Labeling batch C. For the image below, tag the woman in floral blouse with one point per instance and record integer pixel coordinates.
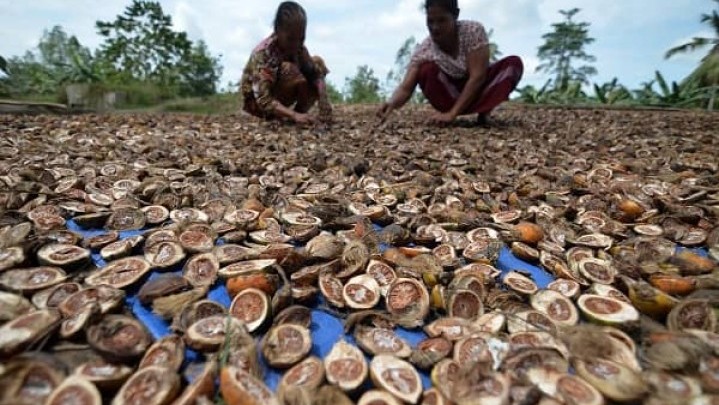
(452, 68)
(281, 80)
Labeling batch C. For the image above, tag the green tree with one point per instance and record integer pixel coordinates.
(563, 48)
(707, 73)
(494, 52)
(141, 44)
(363, 87)
(401, 62)
(333, 94)
(200, 71)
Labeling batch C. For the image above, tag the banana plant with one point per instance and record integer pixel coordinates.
(612, 93)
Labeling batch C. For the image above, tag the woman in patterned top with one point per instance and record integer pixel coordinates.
(452, 68)
(281, 80)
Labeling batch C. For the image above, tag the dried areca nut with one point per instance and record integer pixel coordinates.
(477, 349)
(383, 273)
(325, 246)
(189, 215)
(567, 388)
(242, 218)
(120, 273)
(378, 397)
(527, 321)
(361, 292)
(309, 374)
(231, 253)
(429, 352)
(527, 232)
(492, 322)
(672, 387)
(195, 311)
(121, 248)
(332, 289)
(222, 227)
(483, 251)
(463, 303)
(155, 214)
(597, 270)
(525, 252)
(47, 222)
(536, 340)
(26, 329)
(164, 255)
(506, 217)
(559, 268)
(16, 234)
(493, 389)
(158, 236)
(119, 337)
(556, 306)
(149, 386)
(604, 290)
(484, 272)
(673, 284)
(309, 275)
(354, 259)
(11, 257)
(260, 280)
(376, 341)
(446, 255)
(300, 218)
(30, 379)
(433, 396)
(451, 328)
(14, 305)
(240, 388)
(207, 334)
(568, 288)
(99, 241)
(62, 255)
(106, 376)
(408, 300)
(693, 314)
(77, 322)
(595, 240)
(613, 380)
(161, 286)
(286, 345)
(576, 254)
(305, 295)
(296, 315)
(107, 297)
(201, 270)
(92, 220)
(251, 306)
(607, 311)
(266, 237)
(32, 279)
(75, 390)
(692, 264)
(168, 352)
(444, 375)
(520, 283)
(202, 386)
(709, 374)
(518, 363)
(126, 219)
(345, 366)
(196, 241)
(649, 230)
(246, 267)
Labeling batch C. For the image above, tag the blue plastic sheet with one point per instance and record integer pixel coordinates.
(326, 329)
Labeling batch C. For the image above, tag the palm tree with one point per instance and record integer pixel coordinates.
(707, 74)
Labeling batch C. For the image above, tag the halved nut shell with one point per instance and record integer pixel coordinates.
(168, 352)
(121, 248)
(23, 331)
(597, 270)
(126, 219)
(520, 283)
(332, 289)
(11, 257)
(208, 333)
(120, 273)
(408, 300)
(107, 297)
(567, 388)
(164, 255)
(63, 255)
(119, 337)
(196, 241)
(692, 314)
(361, 292)
(607, 311)
(75, 390)
(378, 397)
(568, 288)
(79, 321)
(203, 385)
(105, 375)
(286, 345)
(464, 303)
(240, 388)
(246, 267)
(613, 380)
(231, 253)
(251, 306)
(376, 341)
(556, 306)
(155, 214)
(14, 305)
(309, 373)
(149, 386)
(201, 270)
(163, 285)
(32, 279)
(345, 366)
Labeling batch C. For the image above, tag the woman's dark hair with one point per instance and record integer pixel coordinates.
(289, 12)
(448, 5)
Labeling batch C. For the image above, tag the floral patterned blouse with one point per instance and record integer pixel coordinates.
(263, 71)
(472, 36)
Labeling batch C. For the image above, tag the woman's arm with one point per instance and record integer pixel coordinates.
(402, 94)
(477, 63)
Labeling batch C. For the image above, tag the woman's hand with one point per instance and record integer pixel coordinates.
(384, 111)
(303, 119)
(442, 119)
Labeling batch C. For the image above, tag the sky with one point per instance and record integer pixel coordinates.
(631, 36)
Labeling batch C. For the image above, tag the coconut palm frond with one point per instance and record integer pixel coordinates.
(696, 43)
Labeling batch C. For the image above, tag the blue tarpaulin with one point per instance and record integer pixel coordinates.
(326, 329)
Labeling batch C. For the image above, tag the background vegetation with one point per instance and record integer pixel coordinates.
(145, 59)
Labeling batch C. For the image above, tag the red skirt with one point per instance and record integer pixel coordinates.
(443, 91)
